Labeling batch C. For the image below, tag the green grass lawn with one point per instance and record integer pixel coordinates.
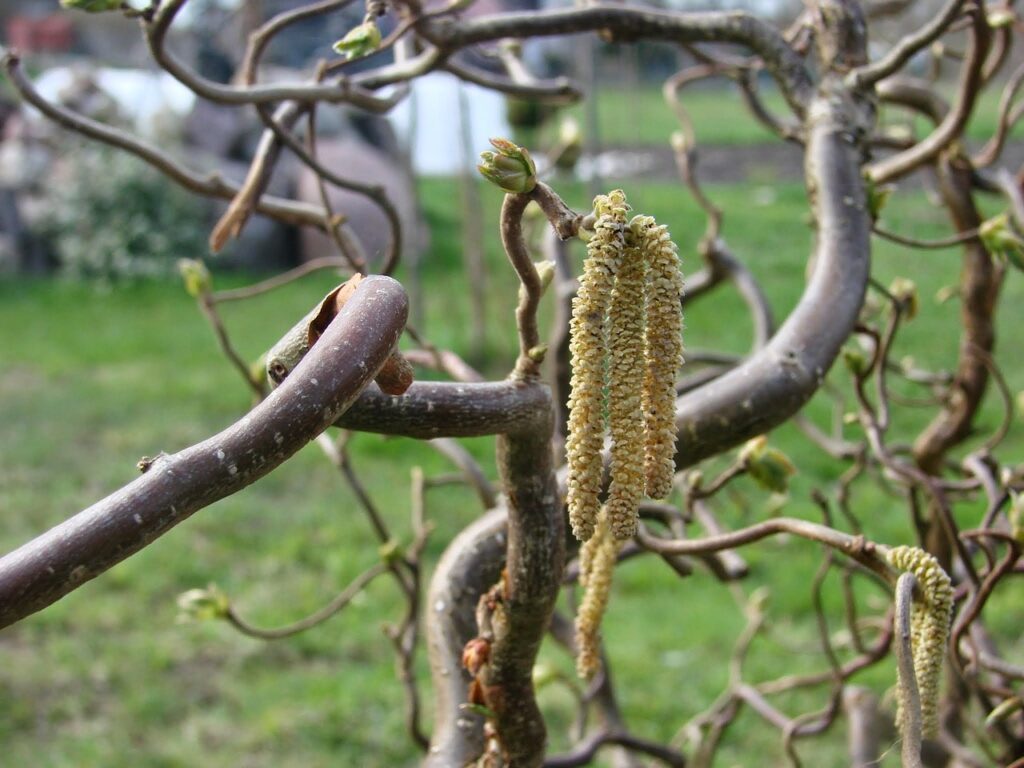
(93, 380)
(641, 116)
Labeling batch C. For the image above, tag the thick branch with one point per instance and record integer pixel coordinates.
(467, 569)
(773, 384)
(431, 409)
(533, 575)
(344, 360)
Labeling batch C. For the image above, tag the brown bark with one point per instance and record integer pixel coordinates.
(324, 385)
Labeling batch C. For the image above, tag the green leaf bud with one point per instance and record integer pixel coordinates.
(904, 291)
(360, 41)
(511, 168)
(203, 604)
(769, 467)
(196, 276)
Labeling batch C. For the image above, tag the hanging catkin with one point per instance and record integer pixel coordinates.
(597, 562)
(625, 381)
(626, 340)
(663, 352)
(929, 627)
(589, 339)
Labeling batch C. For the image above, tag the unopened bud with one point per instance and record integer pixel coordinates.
(202, 604)
(196, 276)
(1002, 241)
(1000, 17)
(360, 41)
(878, 196)
(904, 291)
(769, 467)
(511, 168)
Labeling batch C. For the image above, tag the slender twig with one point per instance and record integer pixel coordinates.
(349, 247)
(208, 306)
(373, 192)
(257, 42)
(893, 61)
(281, 280)
(863, 551)
(210, 185)
(991, 151)
(341, 90)
(566, 223)
(336, 605)
(937, 243)
(953, 124)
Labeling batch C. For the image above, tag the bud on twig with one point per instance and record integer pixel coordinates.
(196, 276)
(202, 604)
(769, 467)
(360, 41)
(1001, 241)
(511, 167)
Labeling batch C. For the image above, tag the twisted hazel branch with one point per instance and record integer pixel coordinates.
(345, 359)
(774, 383)
(867, 553)
(527, 593)
(893, 61)
(566, 224)
(468, 567)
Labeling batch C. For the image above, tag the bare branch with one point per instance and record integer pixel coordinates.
(894, 60)
(278, 281)
(338, 367)
(774, 383)
(954, 122)
(468, 567)
(342, 90)
(319, 617)
(211, 185)
(431, 409)
(865, 552)
(626, 23)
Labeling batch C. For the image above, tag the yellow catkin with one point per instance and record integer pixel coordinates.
(597, 562)
(625, 381)
(929, 626)
(663, 353)
(588, 341)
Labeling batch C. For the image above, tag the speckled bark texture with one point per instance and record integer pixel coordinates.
(321, 387)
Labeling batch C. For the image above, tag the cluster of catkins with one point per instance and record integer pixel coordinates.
(929, 626)
(626, 347)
